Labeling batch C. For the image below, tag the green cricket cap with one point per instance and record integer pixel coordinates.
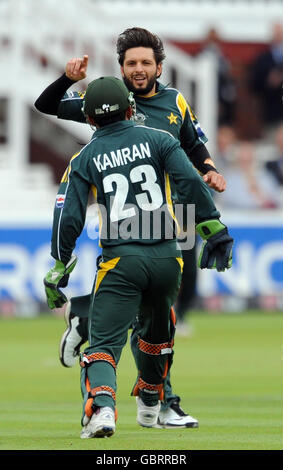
(106, 96)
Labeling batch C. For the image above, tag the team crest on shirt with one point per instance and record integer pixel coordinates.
(172, 118)
(60, 201)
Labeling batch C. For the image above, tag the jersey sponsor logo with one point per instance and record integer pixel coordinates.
(60, 201)
(122, 157)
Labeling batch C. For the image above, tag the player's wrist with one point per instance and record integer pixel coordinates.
(208, 228)
(206, 167)
(69, 81)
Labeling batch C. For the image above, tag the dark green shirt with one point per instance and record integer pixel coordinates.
(127, 166)
(167, 110)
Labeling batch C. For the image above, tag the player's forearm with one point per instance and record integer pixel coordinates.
(197, 193)
(50, 98)
(189, 185)
(201, 159)
(67, 227)
(64, 239)
(69, 214)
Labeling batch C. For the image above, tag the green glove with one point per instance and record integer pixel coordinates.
(55, 278)
(216, 251)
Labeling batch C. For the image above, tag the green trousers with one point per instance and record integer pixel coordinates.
(128, 288)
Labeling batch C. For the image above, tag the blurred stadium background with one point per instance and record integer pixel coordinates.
(218, 53)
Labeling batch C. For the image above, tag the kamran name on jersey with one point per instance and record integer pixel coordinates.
(122, 157)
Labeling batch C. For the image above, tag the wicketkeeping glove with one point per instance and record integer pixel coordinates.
(55, 278)
(216, 251)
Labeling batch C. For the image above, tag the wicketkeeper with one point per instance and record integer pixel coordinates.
(127, 167)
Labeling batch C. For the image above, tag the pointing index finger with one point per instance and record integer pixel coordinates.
(85, 60)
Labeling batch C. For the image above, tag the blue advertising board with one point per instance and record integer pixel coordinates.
(25, 259)
(257, 264)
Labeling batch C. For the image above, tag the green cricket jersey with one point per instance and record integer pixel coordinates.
(126, 167)
(167, 110)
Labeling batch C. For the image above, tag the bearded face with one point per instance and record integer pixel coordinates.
(140, 70)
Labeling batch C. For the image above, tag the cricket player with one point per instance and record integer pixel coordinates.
(127, 166)
(141, 55)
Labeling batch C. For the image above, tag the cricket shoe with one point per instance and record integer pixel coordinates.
(101, 424)
(72, 338)
(147, 415)
(175, 417)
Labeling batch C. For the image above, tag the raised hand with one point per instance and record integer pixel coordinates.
(76, 68)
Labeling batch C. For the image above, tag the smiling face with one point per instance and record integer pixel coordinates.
(140, 70)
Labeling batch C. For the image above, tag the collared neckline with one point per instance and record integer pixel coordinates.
(159, 88)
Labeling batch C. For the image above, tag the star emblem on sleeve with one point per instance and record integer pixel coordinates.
(172, 118)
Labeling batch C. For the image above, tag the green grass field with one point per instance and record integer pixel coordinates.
(229, 375)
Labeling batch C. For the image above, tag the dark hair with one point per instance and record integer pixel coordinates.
(139, 37)
(105, 120)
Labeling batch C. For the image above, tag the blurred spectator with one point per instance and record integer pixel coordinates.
(267, 78)
(226, 84)
(226, 139)
(249, 186)
(275, 167)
